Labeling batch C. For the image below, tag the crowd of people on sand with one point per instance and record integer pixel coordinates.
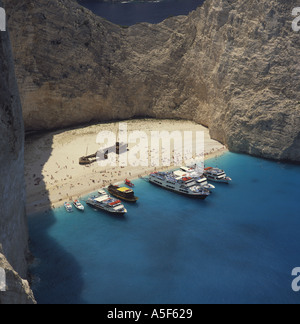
(109, 176)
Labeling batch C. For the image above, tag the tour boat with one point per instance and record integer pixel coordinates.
(217, 175)
(185, 186)
(196, 175)
(122, 193)
(68, 207)
(129, 183)
(78, 205)
(107, 203)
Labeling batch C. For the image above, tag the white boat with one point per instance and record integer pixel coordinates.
(107, 203)
(217, 175)
(78, 205)
(196, 174)
(68, 207)
(102, 192)
(185, 186)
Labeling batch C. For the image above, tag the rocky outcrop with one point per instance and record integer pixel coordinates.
(17, 289)
(230, 65)
(13, 227)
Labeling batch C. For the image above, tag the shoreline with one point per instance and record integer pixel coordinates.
(58, 204)
(56, 155)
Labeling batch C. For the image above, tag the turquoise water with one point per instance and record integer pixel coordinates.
(238, 246)
(129, 13)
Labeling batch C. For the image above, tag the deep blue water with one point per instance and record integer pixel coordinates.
(238, 246)
(128, 14)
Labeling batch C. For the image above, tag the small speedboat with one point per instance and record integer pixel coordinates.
(68, 207)
(129, 183)
(78, 205)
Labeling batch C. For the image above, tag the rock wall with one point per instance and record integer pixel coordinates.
(17, 289)
(13, 227)
(250, 60)
(230, 65)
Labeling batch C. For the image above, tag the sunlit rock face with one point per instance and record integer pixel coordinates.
(230, 65)
(17, 290)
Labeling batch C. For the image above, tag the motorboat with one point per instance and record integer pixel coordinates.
(68, 207)
(78, 205)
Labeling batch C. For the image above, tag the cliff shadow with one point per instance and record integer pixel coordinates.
(293, 152)
(55, 273)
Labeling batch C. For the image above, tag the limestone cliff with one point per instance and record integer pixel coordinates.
(13, 227)
(17, 289)
(230, 65)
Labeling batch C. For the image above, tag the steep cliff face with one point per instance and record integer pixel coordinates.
(249, 57)
(13, 228)
(230, 65)
(17, 289)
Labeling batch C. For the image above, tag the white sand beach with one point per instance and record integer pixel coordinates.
(53, 174)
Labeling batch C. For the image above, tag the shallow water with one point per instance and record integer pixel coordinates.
(129, 13)
(238, 246)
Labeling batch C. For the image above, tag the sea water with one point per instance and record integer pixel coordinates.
(240, 245)
(131, 12)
